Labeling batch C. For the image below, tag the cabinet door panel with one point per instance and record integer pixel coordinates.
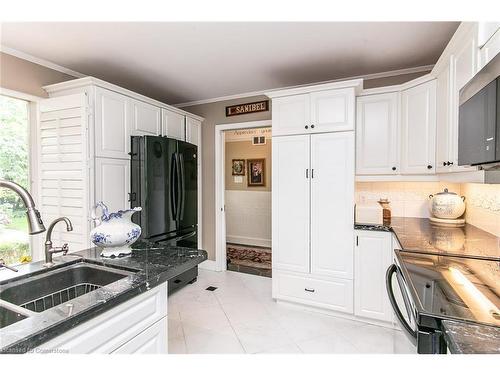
(145, 118)
(377, 134)
(373, 255)
(332, 204)
(152, 340)
(290, 203)
(111, 124)
(291, 115)
(332, 110)
(173, 125)
(444, 124)
(418, 126)
(192, 129)
(112, 178)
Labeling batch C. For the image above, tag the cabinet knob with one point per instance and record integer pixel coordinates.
(394, 168)
(449, 163)
(429, 166)
(307, 127)
(444, 164)
(312, 126)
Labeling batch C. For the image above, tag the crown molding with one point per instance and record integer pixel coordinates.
(39, 61)
(390, 73)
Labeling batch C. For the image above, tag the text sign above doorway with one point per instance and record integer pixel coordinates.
(243, 109)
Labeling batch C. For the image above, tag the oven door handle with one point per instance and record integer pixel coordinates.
(410, 333)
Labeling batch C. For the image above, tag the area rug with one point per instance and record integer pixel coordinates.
(250, 256)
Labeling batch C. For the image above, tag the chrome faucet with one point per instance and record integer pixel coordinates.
(35, 222)
(49, 250)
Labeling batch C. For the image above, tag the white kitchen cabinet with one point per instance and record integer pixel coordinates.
(192, 130)
(313, 200)
(112, 124)
(327, 293)
(291, 115)
(153, 340)
(84, 131)
(146, 118)
(173, 125)
(418, 129)
(136, 325)
(332, 202)
(372, 258)
(444, 123)
(489, 50)
(112, 181)
(290, 203)
(316, 112)
(332, 110)
(377, 134)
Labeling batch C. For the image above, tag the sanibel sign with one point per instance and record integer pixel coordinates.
(242, 109)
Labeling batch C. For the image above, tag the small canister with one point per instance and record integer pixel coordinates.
(386, 210)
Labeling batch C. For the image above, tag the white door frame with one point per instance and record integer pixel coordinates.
(220, 217)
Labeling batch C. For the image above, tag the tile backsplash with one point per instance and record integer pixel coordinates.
(411, 199)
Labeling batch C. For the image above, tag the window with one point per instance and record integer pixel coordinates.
(14, 166)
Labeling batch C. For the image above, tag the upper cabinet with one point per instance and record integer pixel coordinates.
(145, 118)
(377, 134)
(291, 114)
(332, 110)
(193, 130)
(112, 118)
(173, 125)
(444, 116)
(316, 112)
(418, 129)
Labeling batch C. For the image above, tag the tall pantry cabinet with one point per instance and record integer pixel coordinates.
(313, 195)
(83, 155)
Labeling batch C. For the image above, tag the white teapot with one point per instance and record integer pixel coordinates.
(446, 205)
(114, 232)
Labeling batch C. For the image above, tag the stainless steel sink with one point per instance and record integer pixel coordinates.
(8, 317)
(54, 287)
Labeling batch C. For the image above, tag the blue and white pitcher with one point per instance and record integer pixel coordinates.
(114, 232)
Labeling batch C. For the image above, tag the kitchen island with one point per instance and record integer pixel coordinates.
(131, 298)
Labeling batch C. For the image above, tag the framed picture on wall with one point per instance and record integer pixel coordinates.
(238, 167)
(256, 172)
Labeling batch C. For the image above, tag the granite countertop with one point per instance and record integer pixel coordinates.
(467, 338)
(148, 266)
(420, 235)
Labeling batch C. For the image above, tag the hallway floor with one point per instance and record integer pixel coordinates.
(241, 317)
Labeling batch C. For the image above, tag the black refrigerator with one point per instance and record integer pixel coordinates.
(164, 182)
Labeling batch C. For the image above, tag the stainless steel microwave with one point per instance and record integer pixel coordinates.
(479, 117)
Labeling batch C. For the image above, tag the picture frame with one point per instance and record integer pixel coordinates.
(256, 172)
(238, 167)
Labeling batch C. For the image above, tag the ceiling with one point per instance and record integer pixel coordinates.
(182, 62)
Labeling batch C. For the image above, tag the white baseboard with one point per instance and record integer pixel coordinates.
(262, 242)
(210, 265)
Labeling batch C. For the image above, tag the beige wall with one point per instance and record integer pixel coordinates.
(246, 150)
(214, 113)
(394, 80)
(24, 76)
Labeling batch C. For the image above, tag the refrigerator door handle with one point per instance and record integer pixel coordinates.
(179, 188)
(183, 187)
(173, 176)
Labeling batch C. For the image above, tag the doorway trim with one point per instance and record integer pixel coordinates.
(220, 222)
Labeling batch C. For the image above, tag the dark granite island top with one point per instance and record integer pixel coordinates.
(468, 338)
(147, 267)
(422, 236)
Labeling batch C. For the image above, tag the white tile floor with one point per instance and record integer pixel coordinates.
(241, 317)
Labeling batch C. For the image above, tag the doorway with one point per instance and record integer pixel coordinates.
(243, 197)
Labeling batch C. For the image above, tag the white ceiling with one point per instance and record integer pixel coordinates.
(180, 62)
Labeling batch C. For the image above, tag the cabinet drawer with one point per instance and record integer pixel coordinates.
(110, 330)
(153, 340)
(333, 294)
